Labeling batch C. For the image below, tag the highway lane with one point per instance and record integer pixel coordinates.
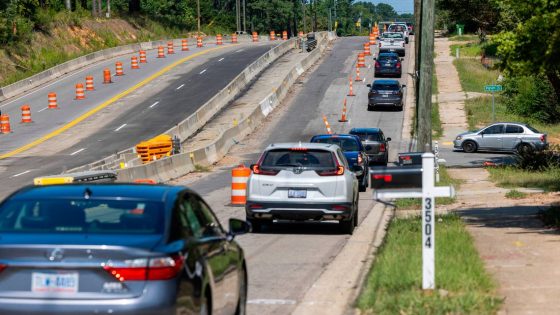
(285, 260)
(144, 118)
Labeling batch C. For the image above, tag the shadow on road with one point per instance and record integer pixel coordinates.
(312, 228)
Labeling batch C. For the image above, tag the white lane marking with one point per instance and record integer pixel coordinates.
(221, 59)
(20, 174)
(201, 72)
(180, 87)
(76, 152)
(271, 302)
(121, 127)
(240, 50)
(154, 104)
(42, 110)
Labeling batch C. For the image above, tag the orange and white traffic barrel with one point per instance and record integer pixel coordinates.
(5, 126)
(272, 35)
(255, 37)
(184, 45)
(143, 56)
(52, 101)
(170, 49)
(239, 177)
(25, 114)
(361, 60)
(371, 38)
(119, 69)
(219, 40)
(89, 83)
(367, 51)
(199, 41)
(80, 95)
(107, 76)
(284, 35)
(134, 62)
(160, 53)
(234, 38)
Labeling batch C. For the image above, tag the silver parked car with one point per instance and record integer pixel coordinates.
(303, 181)
(504, 136)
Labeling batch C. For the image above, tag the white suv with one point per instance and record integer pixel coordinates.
(399, 28)
(303, 181)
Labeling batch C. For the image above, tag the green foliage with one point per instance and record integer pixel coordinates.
(532, 97)
(474, 14)
(511, 176)
(174, 13)
(473, 75)
(515, 194)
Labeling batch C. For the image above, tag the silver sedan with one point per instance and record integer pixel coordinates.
(504, 136)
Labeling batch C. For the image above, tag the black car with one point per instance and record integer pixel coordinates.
(122, 248)
(385, 93)
(375, 143)
(388, 64)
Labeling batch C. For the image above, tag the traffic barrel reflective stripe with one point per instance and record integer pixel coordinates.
(234, 38)
(343, 117)
(119, 69)
(219, 39)
(327, 125)
(25, 114)
(184, 45)
(134, 62)
(107, 76)
(239, 177)
(52, 101)
(272, 35)
(160, 53)
(143, 56)
(371, 38)
(199, 41)
(5, 126)
(284, 35)
(361, 60)
(255, 37)
(80, 95)
(358, 74)
(170, 49)
(367, 51)
(89, 83)
(351, 92)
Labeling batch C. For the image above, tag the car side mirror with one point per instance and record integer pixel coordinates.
(403, 86)
(402, 59)
(238, 227)
(368, 85)
(368, 147)
(388, 139)
(359, 170)
(374, 58)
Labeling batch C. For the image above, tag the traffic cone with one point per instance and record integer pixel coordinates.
(5, 126)
(351, 92)
(358, 74)
(143, 56)
(52, 101)
(25, 114)
(343, 117)
(170, 49)
(184, 45)
(119, 69)
(107, 76)
(160, 53)
(80, 92)
(327, 125)
(134, 62)
(89, 83)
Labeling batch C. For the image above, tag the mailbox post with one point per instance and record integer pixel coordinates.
(428, 192)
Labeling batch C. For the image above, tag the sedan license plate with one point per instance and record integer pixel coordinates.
(387, 65)
(297, 193)
(54, 282)
(385, 95)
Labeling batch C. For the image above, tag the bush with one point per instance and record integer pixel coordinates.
(532, 97)
(539, 160)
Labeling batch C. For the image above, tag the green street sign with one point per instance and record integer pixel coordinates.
(492, 88)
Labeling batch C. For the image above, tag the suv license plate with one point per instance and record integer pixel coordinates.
(54, 282)
(297, 193)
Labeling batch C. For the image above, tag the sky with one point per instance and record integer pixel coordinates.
(401, 6)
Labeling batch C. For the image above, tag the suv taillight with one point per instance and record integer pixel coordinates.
(377, 64)
(2, 267)
(398, 65)
(142, 269)
(259, 171)
(382, 147)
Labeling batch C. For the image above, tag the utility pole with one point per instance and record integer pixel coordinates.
(238, 15)
(426, 70)
(198, 16)
(244, 19)
(68, 5)
(303, 12)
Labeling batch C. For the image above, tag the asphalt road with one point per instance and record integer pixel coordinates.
(285, 260)
(148, 112)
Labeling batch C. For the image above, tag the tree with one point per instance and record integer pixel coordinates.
(475, 14)
(385, 11)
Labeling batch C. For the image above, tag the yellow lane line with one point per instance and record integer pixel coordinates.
(104, 104)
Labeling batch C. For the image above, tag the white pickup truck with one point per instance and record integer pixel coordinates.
(392, 42)
(399, 27)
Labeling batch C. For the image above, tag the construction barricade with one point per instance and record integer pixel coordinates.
(234, 38)
(255, 37)
(219, 40)
(170, 48)
(89, 83)
(26, 114)
(143, 56)
(184, 45)
(272, 35)
(155, 148)
(119, 68)
(80, 95)
(160, 52)
(361, 60)
(5, 126)
(199, 42)
(52, 101)
(239, 177)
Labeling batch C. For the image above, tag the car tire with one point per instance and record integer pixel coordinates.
(362, 186)
(524, 148)
(257, 225)
(357, 217)
(406, 40)
(205, 305)
(242, 301)
(369, 108)
(469, 146)
(347, 226)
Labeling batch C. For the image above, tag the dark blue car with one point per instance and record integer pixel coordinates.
(353, 150)
(118, 248)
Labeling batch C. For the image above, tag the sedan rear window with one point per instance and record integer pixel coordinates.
(385, 87)
(387, 58)
(296, 158)
(532, 129)
(344, 143)
(364, 136)
(82, 216)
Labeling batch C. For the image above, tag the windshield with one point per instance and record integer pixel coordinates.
(81, 216)
(387, 58)
(393, 35)
(294, 158)
(344, 143)
(364, 136)
(385, 87)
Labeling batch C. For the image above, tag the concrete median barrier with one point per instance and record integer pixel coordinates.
(180, 164)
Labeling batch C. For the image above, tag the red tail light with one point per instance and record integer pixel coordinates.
(385, 177)
(406, 158)
(298, 149)
(398, 65)
(161, 268)
(543, 138)
(259, 171)
(340, 208)
(377, 64)
(382, 147)
(2, 267)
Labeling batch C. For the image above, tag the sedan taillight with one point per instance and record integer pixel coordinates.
(2, 267)
(377, 64)
(543, 138)
(142, 269)
(398, 65)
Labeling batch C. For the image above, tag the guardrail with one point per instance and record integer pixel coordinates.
(180, 164)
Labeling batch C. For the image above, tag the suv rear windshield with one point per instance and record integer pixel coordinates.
(296, 158)
(365, 136)
(82, 216)
(392, 35)
(345, 144)
(385, 58)
(385, 87)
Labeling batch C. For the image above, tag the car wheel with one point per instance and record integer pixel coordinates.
(356, 216)
(406, 40)
(362, 186)
(347, 226)
(242, 302)
(524, 148)
(469, 146)
(257, 224)
(369, 108)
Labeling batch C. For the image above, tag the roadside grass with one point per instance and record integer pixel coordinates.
(550, 217)
(393, 285)
(515, 194)
(473, 75)
(445, 180)
(201, 168)
(464, 38)
(466, 50)
(512, 177)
